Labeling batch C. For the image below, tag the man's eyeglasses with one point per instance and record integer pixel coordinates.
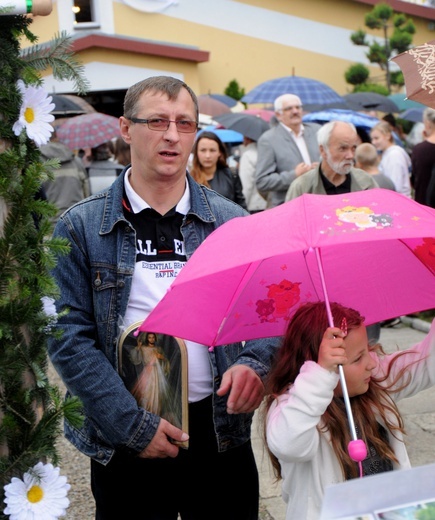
(293, 107)
(184, 126)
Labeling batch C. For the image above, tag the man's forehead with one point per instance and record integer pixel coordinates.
(160, 101)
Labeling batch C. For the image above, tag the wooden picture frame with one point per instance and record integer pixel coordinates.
(154, 369)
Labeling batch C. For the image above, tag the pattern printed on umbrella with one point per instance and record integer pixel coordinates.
(283, 296)
(88, 130)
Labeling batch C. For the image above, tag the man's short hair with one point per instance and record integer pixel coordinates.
(164, 84)
(279, 101)
(366, 155)
(324, 133)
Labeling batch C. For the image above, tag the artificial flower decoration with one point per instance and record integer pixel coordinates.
(35, 116)
(41, 495)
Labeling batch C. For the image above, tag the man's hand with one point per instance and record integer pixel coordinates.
(302, 168)
(161, 445)
(245, 387)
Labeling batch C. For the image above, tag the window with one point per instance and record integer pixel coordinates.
(83, 11)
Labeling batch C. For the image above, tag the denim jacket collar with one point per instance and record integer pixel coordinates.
(113, 210)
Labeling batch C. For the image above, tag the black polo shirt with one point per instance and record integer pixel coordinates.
(331, 189)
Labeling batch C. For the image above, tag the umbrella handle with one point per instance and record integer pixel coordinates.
(357, 448)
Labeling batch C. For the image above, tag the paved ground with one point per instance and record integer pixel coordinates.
(419, 413)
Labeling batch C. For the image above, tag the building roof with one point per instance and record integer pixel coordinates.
(123, 43)
(409, 8)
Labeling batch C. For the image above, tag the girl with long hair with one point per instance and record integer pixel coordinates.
(305, 420)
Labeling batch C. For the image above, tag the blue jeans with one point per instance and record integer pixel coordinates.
(200, 483)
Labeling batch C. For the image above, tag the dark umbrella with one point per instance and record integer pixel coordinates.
(310, 91)
(70, 105)
(248, 125)
(370, 101)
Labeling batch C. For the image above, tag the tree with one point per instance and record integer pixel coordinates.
(31, 409)
(382, 17)
(233, 90)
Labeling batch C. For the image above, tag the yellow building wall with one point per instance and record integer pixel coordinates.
(234, 56)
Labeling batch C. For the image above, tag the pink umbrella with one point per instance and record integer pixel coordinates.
(88, 130)
(375, 250)
(370, 250)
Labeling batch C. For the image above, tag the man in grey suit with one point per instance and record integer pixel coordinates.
(286, 151)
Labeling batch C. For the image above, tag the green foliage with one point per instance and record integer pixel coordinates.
(379, 16)
(372, 87)
(54, 56)
(359, 37)
(383, 18)
(31, 409)
(357, 74)
(397, 78)
(234, 90)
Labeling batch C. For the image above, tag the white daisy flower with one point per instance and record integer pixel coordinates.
(35, 114)
(41, 495)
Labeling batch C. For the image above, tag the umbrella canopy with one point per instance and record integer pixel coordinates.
(412, 114)
(418, 69)
(336, 114)
(224, 134)
(403, 102)
(70, 105)
(370, 250)
(261, 112)
(223, 98)
(88, 130)
(211, 106)
(250, 126)
(310, 91)
(370, 101)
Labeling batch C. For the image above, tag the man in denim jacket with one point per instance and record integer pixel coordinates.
(124, 241)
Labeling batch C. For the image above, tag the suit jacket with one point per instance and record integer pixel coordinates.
(278, 156)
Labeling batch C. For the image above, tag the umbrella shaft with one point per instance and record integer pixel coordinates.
(347, 403)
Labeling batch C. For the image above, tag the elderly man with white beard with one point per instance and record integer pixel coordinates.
(336, 172)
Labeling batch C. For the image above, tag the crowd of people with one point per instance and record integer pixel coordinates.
(126, 247)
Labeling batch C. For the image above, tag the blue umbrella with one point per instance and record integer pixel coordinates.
(225, 135)
(311, 91)
(336, 114)
(358, 119)
(413, 114)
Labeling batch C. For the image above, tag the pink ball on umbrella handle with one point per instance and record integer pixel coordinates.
(357, 450)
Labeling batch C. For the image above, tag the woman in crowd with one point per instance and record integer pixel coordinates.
(209, 167)
(395, 161)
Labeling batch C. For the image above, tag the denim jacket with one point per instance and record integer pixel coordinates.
(94, 280)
